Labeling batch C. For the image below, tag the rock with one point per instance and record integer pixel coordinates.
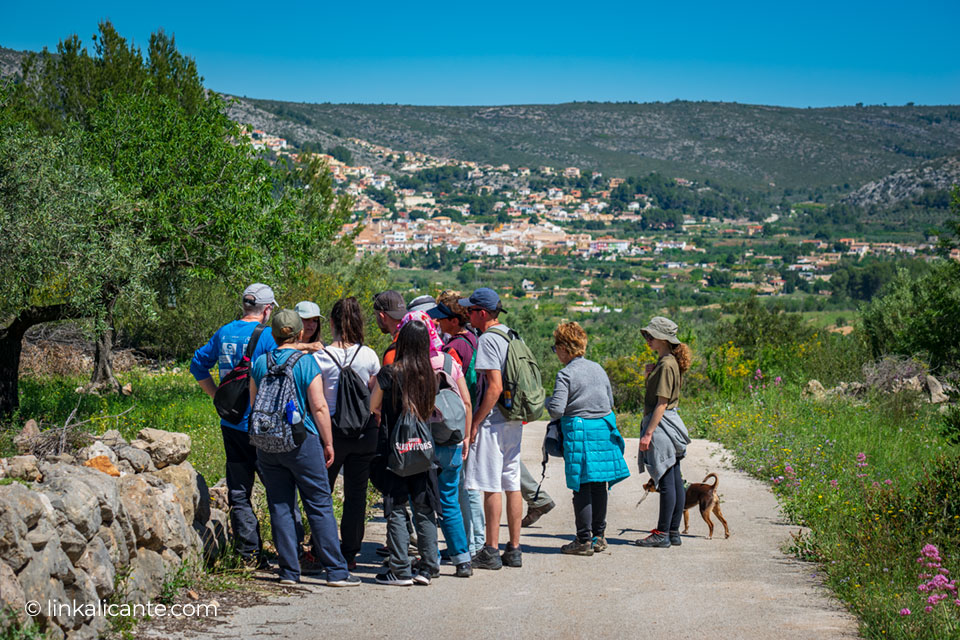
(81, 589)
(140, 444)
(102, 486)
(127, 389)
(63, 458)
(72, 543)
(103, 465)
(190, 490)
(219, 498)
(77, 502)
(27, 437)
(39, 585)
(42, 535)
(113, 439)
(935, 389)
(155, 515)
(25, 502)
(136, 458)
(96, 450)
(11, 593)
(815, 389)
(909, 384)
(171, 561)
(23, 468)
(165, 447)
(124, 467)
(96, 562)
(14, 550)
(146, 577)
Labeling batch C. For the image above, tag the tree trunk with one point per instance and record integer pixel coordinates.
(103, 378)
(11, 346)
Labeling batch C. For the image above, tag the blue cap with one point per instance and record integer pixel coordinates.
(485, 298)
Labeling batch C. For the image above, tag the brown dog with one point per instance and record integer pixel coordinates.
(704, 495)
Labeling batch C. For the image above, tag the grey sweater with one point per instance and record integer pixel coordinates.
(582, 389)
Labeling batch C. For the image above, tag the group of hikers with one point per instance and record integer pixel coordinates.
(434, 424)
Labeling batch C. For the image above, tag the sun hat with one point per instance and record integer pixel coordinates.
(285, 324)
(485, 298)
(308, 310)
(258, 293)
(662, 329)
(441, 312)
(391, 303)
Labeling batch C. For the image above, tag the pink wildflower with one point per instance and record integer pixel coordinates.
(888, 481)
(904, 611)
(928, 608)
(777, 380)
(834, 483)
(861, 457)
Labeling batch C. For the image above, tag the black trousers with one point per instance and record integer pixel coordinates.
(590, 510)
(672, 498)
(242, 470)
(353, 456)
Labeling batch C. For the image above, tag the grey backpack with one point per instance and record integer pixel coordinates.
(449, 420)
(276, 421)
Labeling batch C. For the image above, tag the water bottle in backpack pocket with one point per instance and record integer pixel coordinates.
(276, 421)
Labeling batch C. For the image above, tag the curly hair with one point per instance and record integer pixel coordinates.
(571, 337)
(451, 300)
(683, 356)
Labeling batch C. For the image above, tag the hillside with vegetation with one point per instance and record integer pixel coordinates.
(748, 145)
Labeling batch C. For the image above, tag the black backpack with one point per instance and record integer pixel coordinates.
(353, 401)
(233, 395)
(411, 446)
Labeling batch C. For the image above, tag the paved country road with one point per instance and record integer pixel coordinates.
(741, 587)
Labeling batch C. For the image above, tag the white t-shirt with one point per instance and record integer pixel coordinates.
(366, 364)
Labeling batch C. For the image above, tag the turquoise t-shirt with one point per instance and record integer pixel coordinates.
(304, 371)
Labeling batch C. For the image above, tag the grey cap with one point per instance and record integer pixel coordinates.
(662, 329)
(391, 303)
(308, 309)
(422, 303)
(258, 293)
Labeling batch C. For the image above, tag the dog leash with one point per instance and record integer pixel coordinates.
(645, 494)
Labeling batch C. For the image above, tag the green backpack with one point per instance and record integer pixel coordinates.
(523, 395)
(469, 368)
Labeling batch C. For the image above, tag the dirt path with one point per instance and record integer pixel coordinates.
(741, 587)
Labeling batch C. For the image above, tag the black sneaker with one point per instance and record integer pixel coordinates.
(390, 578)
(422, 579)
(487, 558)
(349, 581)
(512, 557)
(656, 538)
(464, 570)
(675, 538)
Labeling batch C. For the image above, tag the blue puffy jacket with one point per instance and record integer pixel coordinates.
(592, 450)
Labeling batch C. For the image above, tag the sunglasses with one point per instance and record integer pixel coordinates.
(553, 348)
(474, 309)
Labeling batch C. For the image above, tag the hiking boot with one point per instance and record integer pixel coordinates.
(422, 579)
(464, 570)
(577, 548)
(288, 582)
(487, 558)
(675, 538)
(512, 557)
(349, 581)
(390, 578)
(599, 544)
(534, 513)
(310, 565)
(656, 538)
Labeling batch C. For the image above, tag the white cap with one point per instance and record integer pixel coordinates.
(308, 309)
(258, 293)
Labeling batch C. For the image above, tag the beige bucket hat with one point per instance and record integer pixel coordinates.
(662, 329)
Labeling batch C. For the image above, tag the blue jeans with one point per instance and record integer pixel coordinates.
(471, 508)
(450, 460)
(283, 475)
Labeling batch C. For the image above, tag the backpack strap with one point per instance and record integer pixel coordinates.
(254, 339)
(504, 334)
(447, 364)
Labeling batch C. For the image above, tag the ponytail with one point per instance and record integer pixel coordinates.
(683, 356)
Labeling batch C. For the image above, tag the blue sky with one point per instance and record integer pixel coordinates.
(491, 52)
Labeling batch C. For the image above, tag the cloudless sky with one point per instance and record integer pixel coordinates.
(487, 52)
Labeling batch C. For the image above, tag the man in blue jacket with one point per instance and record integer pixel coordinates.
(226, 349)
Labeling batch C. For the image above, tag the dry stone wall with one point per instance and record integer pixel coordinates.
(111, 522)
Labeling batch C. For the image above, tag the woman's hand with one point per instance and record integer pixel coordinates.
(648, 369)
(645, 441)
(328, 454)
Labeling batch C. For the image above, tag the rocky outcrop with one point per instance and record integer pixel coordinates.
(113, 520)
(927, 386)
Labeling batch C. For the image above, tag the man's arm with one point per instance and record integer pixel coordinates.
(208, 386)
(465, 396)
(493, 381)
(203, 360)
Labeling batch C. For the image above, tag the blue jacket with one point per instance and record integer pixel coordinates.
(592, 450)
